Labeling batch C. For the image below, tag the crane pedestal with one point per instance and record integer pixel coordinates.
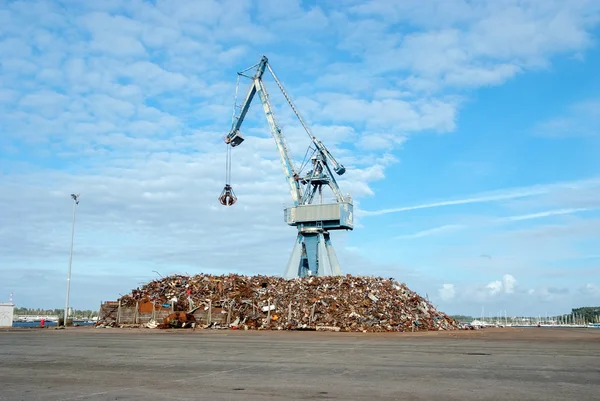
(313, 255)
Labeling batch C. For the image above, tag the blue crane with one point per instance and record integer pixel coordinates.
(313, 253)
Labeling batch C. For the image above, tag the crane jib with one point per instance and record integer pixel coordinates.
(235, 137)
(303, 188)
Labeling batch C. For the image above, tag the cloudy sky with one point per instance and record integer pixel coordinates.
(469, 128)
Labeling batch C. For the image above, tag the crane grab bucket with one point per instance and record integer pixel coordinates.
(227, 197)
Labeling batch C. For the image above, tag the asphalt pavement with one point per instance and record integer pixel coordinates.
(120, 364)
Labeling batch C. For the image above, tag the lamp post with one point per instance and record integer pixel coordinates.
(75, 203)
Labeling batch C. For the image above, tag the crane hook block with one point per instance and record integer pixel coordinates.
(227, 197)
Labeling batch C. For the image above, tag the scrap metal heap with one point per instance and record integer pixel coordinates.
(340, 303)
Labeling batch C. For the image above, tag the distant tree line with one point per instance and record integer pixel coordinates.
(590, 314)
(462, 318)
(59, 312)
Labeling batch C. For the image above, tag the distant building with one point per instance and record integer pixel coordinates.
(7, 310)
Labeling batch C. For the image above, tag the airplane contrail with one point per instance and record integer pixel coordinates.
(431, 231)
(540, 215)
(543, 214)
(490, 197)
(480, 199)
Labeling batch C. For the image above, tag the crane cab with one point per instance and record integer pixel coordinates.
(329, 216)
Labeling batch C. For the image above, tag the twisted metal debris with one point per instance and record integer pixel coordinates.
(340, 303)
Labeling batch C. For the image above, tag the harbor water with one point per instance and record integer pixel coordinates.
(47, 324)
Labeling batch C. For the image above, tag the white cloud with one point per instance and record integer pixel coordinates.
(46, 103)
(404, 116)
(591, 290)
(580, 120)
(461, 36)
(503, 291)
(431, 231)
(447, 292)
(495, 287)
(380, 141)
(550, 294)
(478, 76)
(507, 286)
(504, 296)
(508, 283)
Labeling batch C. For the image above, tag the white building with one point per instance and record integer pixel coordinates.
(6, 314)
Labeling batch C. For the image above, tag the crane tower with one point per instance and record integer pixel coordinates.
(313, 253)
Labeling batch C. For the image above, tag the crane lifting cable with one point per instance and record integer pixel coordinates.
(227, 197)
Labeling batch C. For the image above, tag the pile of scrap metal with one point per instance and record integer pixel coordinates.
(338, 303)
(175, 320)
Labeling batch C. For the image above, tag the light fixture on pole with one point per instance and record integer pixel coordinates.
(75, 203)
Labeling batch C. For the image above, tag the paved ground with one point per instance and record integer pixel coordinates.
(120, 364)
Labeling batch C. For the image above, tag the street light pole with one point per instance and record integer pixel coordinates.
(75, 203)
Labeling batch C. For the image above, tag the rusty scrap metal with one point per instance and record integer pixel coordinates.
(339, 303)
(178, 320)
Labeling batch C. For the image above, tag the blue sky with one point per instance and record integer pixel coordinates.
(470, 131)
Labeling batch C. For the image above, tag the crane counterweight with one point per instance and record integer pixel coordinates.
(313, 253)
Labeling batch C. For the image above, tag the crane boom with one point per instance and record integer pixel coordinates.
(288, 167)
(235, 138)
